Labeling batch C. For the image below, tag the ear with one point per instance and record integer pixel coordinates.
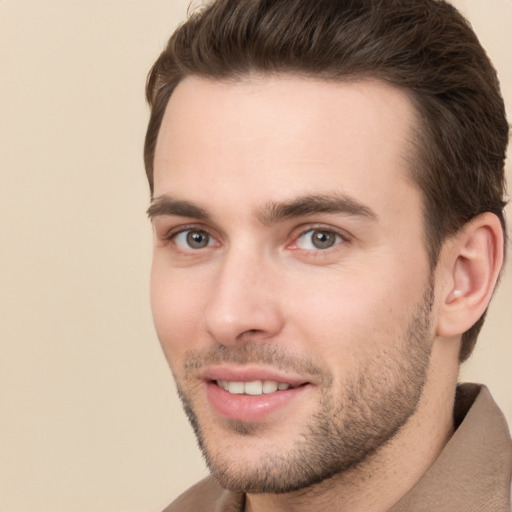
(469, 267)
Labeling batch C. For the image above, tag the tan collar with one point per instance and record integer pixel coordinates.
(474, 470)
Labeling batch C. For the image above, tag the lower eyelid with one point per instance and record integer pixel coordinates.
(173, 232)
(184, 245)
(339, 238)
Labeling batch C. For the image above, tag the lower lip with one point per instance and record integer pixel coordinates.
(250, 408)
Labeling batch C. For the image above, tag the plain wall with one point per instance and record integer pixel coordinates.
(89, 421)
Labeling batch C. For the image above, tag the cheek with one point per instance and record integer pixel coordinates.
(347, 319)
(177, 312)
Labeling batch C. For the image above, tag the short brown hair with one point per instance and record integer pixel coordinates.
(423, 46)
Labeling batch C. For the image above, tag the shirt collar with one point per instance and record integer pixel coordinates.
(473, 472)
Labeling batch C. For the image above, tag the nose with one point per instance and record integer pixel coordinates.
(244, 301)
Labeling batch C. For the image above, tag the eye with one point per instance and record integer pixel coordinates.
(318, 239)
(193, 239)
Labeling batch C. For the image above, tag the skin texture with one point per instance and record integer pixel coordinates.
(247, 174)
(376, 400)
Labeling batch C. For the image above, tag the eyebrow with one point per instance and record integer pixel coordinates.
(272, 212)
(302, 206)
(167, 205)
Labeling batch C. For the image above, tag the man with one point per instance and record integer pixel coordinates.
(327, 201)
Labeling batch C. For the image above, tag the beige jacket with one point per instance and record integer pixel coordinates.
(472, 474)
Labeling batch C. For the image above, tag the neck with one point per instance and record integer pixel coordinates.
(388, 474)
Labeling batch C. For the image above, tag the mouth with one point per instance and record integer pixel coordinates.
(252, 395)
(253, 388)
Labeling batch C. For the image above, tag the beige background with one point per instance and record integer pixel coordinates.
(88, 417)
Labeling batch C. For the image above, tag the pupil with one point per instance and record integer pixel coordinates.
(322, 239)
(197, 239)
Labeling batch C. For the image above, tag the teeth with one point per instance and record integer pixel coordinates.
(269, 386)
(256, 387)
(236, 388)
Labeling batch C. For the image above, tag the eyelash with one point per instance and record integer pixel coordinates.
(173, 233)
(341, 237)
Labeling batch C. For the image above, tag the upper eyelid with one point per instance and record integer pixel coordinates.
(294, 234)
(307, 238)
(306, 228)
(172, 233)
(168, 233)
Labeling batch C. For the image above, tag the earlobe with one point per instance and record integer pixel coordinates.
(455, 295)
(470, 269)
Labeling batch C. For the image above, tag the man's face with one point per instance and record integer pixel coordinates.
(290, 284)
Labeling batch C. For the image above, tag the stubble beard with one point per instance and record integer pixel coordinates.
(347, 428)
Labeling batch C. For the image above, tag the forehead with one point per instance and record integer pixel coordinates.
(267, 138)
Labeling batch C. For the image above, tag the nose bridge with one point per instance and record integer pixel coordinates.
(243, 301)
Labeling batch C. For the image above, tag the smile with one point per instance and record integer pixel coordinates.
(254, 388)
(253, 400)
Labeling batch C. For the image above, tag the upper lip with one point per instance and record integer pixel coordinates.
(251, 373)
